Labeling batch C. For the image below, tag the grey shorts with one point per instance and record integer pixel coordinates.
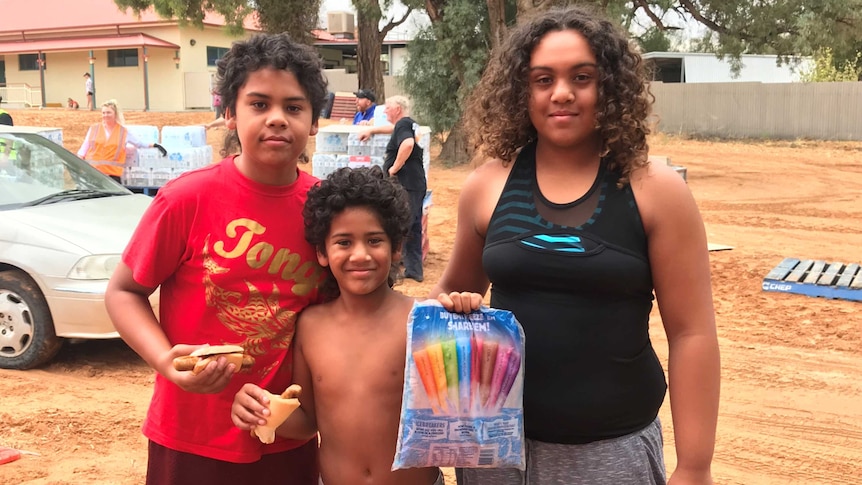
(633, 459)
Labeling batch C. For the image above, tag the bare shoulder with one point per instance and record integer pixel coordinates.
(661, 193)
(402, 303)
(491, 172)
(314, 316)
(481, 191)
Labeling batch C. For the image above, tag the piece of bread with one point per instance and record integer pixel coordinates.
(280, 407)
(198, 360)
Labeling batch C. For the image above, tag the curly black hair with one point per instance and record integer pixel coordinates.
(277, 51)
(356, 187)
(498, 112)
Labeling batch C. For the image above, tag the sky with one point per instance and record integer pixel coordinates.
(338, 5)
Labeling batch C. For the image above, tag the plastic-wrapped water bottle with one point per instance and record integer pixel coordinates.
(380, 118)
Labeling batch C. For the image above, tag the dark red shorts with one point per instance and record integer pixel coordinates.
(295, 467)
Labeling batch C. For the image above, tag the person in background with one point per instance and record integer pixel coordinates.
(89, 90)
(5, 116)
(225, 245)
(404, 161)
(217, 106)
(71, 104)
(108, 145)
(575, 232)
(365, 105)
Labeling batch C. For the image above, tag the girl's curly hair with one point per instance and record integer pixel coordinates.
(277, 51)
(498, 111)
(356, 187)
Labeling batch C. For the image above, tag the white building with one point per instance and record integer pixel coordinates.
(691, 67)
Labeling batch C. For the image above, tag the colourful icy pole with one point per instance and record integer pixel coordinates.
(463, 346)
(503, 353)
(435, 355)
(426, 375)
(475, 364)
(450, 362)
(512, 369)
(489, 356)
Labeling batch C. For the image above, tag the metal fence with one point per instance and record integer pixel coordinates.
(822, 111)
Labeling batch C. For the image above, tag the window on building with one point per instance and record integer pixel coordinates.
(30, 62)
(214, 54)
(122, 57)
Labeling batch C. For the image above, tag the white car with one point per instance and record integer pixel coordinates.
(63, 227)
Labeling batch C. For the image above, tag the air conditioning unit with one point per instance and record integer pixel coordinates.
(340, 23)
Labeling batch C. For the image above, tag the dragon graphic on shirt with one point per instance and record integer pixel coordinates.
(258, 318)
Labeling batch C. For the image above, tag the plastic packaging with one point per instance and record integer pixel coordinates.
(463, 390)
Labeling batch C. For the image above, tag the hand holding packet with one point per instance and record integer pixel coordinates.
(462, 404)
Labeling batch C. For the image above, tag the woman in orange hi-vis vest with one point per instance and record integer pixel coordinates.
(105, 146)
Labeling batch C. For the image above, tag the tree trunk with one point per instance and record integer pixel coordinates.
(497, 21)
(368, 49)
(528, 7)
(456, 148)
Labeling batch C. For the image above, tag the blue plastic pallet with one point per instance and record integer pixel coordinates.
(816, 278)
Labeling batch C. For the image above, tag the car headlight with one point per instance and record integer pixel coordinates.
(95, 267)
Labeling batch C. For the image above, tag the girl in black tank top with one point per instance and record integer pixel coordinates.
(566, 96)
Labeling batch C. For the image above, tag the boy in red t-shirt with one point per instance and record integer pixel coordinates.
(224, 245)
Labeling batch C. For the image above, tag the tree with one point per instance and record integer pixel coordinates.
(369, 14)
(291, 16)
(445, 62)
(787, 28)
(824, 69)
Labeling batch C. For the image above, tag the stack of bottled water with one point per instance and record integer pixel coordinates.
(187, 150)
(338, 146)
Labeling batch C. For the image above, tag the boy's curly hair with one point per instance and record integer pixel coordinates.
(356, 187)
(277, 51)
(498, 111)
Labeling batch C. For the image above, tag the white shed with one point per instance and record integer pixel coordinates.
(694, 67)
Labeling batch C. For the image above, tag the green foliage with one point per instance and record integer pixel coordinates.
(654, 40)
(825, 68)
(296, 17)
(786, 28)
(445, 62)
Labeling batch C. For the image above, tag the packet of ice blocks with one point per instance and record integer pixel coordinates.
(463, 390)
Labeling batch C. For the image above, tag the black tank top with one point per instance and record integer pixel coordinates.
(577, 277)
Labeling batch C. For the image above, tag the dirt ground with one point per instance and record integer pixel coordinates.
(791, 405)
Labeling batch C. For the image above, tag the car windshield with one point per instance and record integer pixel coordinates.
(35, 171)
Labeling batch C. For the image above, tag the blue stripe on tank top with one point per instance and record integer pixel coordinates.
(557, 243)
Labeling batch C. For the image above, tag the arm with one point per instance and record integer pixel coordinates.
(85, 146)
(249, 408)
(681, 275)
(404, 151)
(478, 198)
(131, 139)
(302, 424)
(376, 130)
(130, 311)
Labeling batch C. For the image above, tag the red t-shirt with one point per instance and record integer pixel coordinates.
(234, 268)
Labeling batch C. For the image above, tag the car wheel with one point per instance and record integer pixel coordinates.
(27, 337)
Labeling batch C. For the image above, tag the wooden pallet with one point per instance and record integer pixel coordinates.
(816, 278)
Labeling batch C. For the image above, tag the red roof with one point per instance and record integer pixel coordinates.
(28, 16)
(71, 44)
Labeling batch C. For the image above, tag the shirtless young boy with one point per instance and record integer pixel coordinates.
(349, 352)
